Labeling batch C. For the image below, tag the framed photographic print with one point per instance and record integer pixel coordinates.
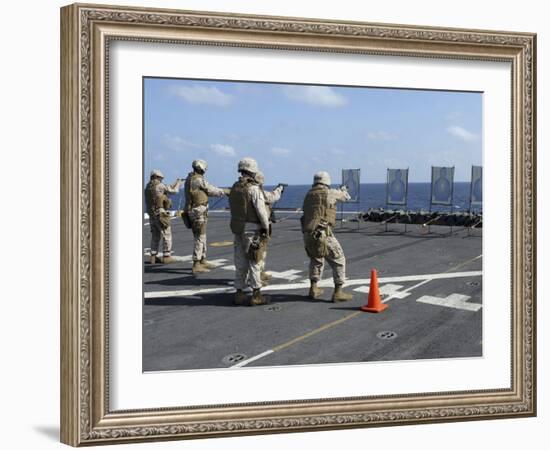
(278, 224)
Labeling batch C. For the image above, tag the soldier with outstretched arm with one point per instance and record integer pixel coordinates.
(250, 227)
(270, 197)
(317, 226)
(197, 191)
(158, 204)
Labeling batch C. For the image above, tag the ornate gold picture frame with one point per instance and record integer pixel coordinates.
(87, 32)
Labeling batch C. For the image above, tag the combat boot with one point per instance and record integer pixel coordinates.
(314, 291)
(199, 268)
(340, 295)
(265, 276)
(258, 298)
(206, 264)
(168, 260)
(154, 259)
(240, 297)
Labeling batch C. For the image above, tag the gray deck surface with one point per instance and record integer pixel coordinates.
(190, 322)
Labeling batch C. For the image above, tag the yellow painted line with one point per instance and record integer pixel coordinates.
(221, 244)
(339, 321)
(355, 314)
(317, 330)
(465, 263)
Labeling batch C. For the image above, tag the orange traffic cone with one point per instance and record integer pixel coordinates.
(374, 304)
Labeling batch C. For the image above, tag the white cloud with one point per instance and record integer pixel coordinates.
(315, 95)
(177, 143)
(201, 95)
(223, 150)
(461, 133)
(279, 151)
(382, 135)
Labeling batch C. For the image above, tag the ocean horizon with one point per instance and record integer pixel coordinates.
(371, 195)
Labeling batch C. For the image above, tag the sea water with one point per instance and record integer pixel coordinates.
(371, 195)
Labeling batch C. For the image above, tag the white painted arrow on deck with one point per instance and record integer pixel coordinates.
(289, 275)
(176, 258)
(217, 262)
(456, 301)
(387, 289)
(305, 284)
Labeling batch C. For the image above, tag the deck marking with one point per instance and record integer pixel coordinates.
(317, 330)
(405, 278)
(289, 275)
(233, 268)
(417, 285)
(249, 360)
(188, 292)
(387, 289)
(182, 258)
(447, 272)
(305, 284)
(456, 301)
(217, 262)
(221, 244)
(427, 279)
(186, 258)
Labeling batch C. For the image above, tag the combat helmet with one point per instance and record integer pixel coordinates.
(322, 177)
(248, 165)
(199, 164)
(156, 173)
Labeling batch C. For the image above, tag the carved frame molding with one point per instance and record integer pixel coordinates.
(86, 32)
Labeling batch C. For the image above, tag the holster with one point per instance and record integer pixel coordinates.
(316, 244)
(257, 249)
(185, 217)
(164, 219)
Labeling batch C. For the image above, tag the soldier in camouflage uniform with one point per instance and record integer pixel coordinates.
(197, 191)
(317, 223)
(270, 197)
(250, 226)
(158, 204)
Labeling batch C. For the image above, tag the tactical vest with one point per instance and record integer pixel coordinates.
(165, 202)
(194, 197)
(242, 209)
(317, 208)
(150, 197)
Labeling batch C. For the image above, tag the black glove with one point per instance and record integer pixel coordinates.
(264, 233)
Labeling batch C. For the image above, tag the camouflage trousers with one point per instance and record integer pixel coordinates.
(199, 236)
(158, 233)
(247, 271)
(335, 259)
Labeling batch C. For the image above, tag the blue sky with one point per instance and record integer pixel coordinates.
(296, 130)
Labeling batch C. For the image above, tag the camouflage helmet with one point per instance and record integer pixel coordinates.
(199, 164)
(249, 165)
(156, 173)
(322, 177)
